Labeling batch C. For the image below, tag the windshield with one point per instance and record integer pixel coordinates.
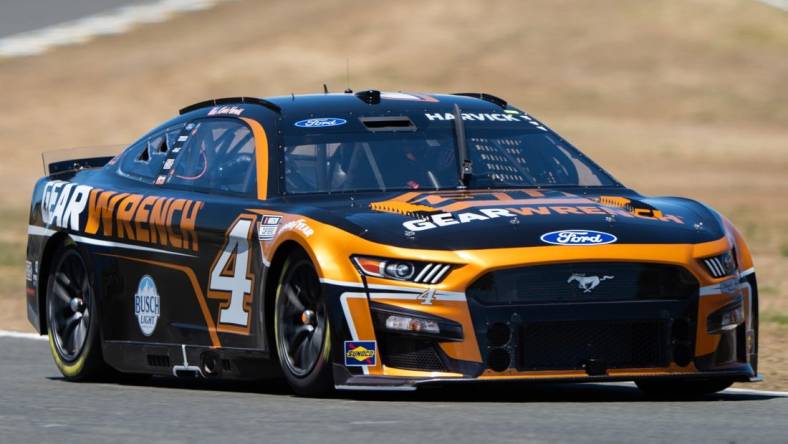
(502, 156)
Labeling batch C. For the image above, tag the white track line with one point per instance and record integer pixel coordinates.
(116, 21)
(37, 337)
(21, 335)
(779, 4)
(755, 392)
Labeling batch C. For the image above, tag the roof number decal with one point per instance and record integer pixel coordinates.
(320, 122)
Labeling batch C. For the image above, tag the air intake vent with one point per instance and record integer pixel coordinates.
(721, 265)
(592, 345)
(393, 123)
(158, 360)
(406, 353)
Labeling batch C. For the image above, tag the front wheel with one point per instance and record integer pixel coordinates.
(301, 328)
(72, 317)
(683, 388)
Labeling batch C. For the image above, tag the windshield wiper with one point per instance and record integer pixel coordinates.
(463, 161)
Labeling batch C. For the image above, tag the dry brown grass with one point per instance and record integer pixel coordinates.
(685, 98)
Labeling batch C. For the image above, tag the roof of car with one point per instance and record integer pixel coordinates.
(304, 106)
(361, 101)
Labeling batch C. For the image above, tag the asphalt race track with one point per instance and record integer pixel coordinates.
(19, 16)
(36, 405)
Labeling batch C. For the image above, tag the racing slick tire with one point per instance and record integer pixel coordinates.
(301, 328)
(72, 317)
(682, 388)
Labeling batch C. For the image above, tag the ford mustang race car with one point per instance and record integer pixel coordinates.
(377, 240)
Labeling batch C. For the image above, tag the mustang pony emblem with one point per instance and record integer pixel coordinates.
(587, 283)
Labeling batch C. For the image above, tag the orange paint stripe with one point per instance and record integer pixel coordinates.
(197, 291)
(458, 206)
(261, 156)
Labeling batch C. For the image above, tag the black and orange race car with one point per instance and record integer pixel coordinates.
(377, 240)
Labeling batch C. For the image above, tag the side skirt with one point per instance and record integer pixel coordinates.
(185, 360)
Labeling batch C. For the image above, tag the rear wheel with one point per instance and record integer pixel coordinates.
(72, 318)
(683, 388)
(301, 328)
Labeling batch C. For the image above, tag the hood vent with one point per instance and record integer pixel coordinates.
(636, 207)
(404, 208)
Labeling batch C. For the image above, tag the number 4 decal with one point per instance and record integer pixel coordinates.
(427, 297)
(232, 279)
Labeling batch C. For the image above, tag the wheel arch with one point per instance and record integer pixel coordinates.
(283, 251)
(57, 240)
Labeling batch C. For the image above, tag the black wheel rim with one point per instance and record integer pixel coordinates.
(301, 319)
(69, 300)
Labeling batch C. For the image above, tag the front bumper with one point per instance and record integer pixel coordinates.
(550, 341)
(402, 384)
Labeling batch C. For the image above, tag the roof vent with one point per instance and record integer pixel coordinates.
(389, 123)
(371, 96)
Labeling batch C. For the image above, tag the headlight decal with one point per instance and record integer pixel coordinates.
(721, 265)
(401, 270)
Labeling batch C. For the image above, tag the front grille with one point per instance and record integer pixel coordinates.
(400, 351)
(584, 282)
(573, 345)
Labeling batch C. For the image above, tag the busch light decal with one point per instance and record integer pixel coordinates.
(321, 122)
(578, 237)
(147, 305)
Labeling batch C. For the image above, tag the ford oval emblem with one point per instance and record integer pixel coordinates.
(321, 122)
(578, 237)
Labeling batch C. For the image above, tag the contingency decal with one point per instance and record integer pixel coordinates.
(578, 237)
(147, 305)
(232, 278)
(360, 353)
(267, 228)
(299, 225)
(320, 122)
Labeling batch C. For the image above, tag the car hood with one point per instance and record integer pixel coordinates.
(460, 220)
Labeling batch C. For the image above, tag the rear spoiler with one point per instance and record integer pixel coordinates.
(75, 159)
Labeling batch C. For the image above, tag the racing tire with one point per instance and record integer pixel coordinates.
(683, 388)
(72, 317)
(301, 328)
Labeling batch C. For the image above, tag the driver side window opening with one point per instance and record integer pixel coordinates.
(219, 156)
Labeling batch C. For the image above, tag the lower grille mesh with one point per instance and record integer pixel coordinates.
(572, 345)
(406, 353)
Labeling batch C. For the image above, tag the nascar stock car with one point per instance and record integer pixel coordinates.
(377, 240)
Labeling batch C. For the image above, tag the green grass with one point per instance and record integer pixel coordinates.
(775, 317)
(784, 250)
(12, 254)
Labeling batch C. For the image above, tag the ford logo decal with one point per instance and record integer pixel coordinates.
(321, 122)
(578, 237)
